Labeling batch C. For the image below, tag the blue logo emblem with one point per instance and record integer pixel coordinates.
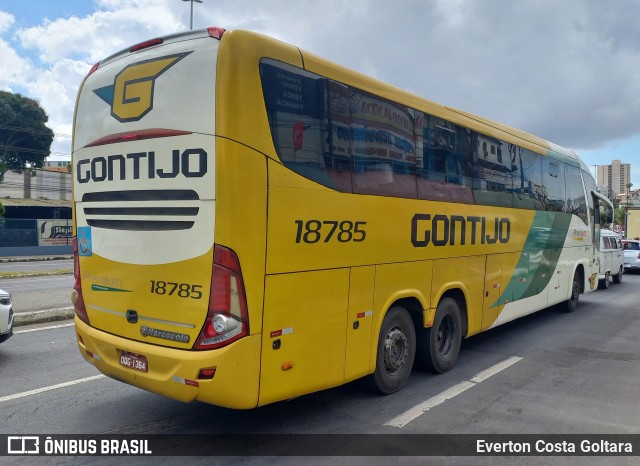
(84, 241)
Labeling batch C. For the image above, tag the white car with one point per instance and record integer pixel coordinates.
(6, 316)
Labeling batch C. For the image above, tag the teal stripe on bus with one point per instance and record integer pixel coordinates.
(539, 257)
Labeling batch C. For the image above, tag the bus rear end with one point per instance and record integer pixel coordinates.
(160, 304)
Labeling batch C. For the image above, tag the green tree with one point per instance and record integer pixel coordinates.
(24, 137)
(618, 216)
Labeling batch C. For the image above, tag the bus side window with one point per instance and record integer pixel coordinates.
(383, 146)
(554, 181)
(444, 161)
(576, 202)
(492, 183)
(528, 191)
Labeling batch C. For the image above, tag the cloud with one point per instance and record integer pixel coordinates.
(6, 21)
(101, 34)
(14, 68)
(66, 48)
(566, 71)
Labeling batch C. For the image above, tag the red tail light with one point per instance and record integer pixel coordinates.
(76, 294)
(146, 44)
(228, 317)
(216, 32)
(93, 68)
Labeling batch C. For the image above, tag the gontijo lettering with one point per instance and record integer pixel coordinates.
(191, 163)
(448, 230)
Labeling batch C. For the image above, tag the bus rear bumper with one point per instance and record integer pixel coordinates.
(174, 373)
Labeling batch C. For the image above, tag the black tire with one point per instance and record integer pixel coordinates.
(571, 304)
(604, 284)
(439, 345)
(618, 278)
(396, 351)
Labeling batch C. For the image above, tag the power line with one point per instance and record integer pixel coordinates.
(34, 151)
(32, 131)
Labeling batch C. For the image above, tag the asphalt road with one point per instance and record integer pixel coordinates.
(38, 293)
(567, 374)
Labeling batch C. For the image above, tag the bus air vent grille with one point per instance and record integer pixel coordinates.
(142, 210)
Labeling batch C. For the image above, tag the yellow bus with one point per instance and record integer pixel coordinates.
(255, 223)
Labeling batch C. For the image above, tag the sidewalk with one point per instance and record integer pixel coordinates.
(44, 316)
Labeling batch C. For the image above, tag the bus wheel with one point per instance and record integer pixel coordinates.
(571, 304)
(604, 284)
(396, 351)
(443, 339)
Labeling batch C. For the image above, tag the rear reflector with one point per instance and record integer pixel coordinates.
(137, 136)
(93, 68)
(144, 45)
(206, 374)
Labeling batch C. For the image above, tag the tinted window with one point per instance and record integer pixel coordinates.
(444, 160)
(492, 180)
(299, 109)
(576, 201)
(352, 141)
(554, 182)
(337, 136)
(528, 192)
(383, 146)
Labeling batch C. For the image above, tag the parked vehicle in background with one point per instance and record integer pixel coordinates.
(611, 259)
(6, 316)
(631, 248)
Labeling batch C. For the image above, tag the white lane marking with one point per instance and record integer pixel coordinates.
(43, 328)
(52, 387)
(493, 370)
(412, 413)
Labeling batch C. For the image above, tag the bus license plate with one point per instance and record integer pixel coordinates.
(137, 362)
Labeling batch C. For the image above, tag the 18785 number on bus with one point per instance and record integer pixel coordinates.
(314, 231)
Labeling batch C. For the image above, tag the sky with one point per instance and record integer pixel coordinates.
(565, 70)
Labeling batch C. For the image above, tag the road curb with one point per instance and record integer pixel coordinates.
(39, 317)
(34, 258)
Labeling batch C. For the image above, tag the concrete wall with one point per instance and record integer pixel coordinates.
(37, 251)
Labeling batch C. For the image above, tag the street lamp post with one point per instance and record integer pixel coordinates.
(626, 210)
(191, 21)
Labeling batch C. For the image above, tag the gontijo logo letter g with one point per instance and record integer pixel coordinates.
(131, 94)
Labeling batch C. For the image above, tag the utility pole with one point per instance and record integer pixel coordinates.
(191, 21)
(626, 211)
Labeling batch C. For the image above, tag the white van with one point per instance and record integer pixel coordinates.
(611, 259)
